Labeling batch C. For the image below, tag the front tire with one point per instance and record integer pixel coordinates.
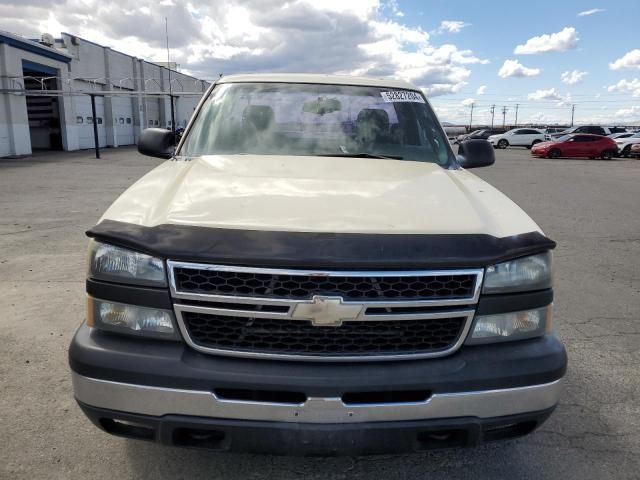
(607, 155)
(555, 153)
(503, 144)
(626, 151)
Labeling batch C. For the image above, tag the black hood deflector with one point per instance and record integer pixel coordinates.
(259, 248)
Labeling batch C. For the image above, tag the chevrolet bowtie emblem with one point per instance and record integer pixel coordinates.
(327, 311)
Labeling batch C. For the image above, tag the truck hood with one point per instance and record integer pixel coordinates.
(318, 194)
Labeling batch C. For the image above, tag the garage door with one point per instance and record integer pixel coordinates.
(123, 120)
(84, 121)
(153, 112)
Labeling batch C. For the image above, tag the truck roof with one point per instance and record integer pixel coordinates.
(318, 78)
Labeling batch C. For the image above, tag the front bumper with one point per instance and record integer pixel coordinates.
(287, 438)
(128, 386)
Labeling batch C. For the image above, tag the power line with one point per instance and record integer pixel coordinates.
(517, 106)
(493, 111)
(504, 116)
(471, 117)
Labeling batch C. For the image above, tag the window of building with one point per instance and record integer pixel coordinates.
(99, 120)
(128, 121)
(90, 120)
(79, 119)
(121, 121)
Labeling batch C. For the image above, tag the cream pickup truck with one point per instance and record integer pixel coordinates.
(314, 271)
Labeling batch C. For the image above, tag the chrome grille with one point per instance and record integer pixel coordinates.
(323, 315)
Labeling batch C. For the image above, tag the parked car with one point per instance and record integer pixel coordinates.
(484, 134)
(590, 129)
(624, 144)
(358, 292)
(615, 136)
(635, 150)
(480, 134)
(553, 130)
(518, 137)
(591, 146)
(617, 129)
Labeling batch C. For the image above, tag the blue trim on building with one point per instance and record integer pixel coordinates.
(36, 67)
(28, 46)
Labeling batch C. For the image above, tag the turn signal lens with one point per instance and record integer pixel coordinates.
(131, 319)
(510, 326)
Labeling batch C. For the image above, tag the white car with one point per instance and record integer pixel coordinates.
(518, 137)
(624, 144)
(621, 135)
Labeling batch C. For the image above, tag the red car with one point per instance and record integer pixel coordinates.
(577, 145)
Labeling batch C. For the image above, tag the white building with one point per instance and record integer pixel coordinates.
(45, 100)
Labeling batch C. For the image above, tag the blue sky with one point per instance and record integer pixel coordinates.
(494, 32)
(459, 52)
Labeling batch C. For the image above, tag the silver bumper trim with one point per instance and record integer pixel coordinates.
(142, 399)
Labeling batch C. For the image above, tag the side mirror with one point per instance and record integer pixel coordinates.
(476, 154)
(157, 142)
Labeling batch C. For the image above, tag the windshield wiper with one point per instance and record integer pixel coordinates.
(360, 155)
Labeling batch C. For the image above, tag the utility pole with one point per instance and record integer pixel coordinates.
(173, 116)
(573, 110)
(471, 117)
(517, 106)
(504, 117)
(493, 111)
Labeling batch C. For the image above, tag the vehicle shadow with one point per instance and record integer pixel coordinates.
(148, 460)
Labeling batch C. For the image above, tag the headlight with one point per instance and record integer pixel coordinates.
(130, 319)
(505, 327)
(521, 274)
(116, 264)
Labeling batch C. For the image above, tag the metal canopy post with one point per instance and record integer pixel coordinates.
(96, 142)
(173, 116)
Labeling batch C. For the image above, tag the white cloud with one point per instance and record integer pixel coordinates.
(627, 114)
(451, 26)
(629, 60)
(550, 94)
(554, 42)
(468, 102)
(573, 77)
(513, 68)
(481, 90)
(593, 11)
(333, 36)
(626, 86)
(437, 89)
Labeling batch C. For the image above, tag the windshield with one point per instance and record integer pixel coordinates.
(309, 119)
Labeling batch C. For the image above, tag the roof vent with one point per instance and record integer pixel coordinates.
(47, 39)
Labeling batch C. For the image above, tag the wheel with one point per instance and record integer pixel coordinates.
(535, 142)
(607, 155)
(555, 153)
(625, 152)
(503, 143)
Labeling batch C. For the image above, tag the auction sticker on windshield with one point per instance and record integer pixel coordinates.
(402, 96)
